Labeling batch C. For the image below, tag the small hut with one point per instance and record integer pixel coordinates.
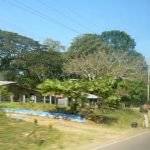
(92, 99)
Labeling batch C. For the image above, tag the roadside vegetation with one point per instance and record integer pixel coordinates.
(19, 134)
(37, 107)
(119, 118)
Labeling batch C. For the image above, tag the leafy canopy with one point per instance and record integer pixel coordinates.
(118, 40)
(85, 44)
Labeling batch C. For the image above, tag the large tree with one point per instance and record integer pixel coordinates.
(85, 44)
(111, 53)
(115, 63)
(28, 62)
(38, 66)
(13, 46)
(118, 40)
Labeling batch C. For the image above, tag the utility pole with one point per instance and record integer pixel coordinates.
(148, 82)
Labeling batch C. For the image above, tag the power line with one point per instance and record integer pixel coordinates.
(76, 13)
(16, 26)
(64, 15)
(32, 11)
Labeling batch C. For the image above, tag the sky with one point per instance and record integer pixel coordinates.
(63, 20)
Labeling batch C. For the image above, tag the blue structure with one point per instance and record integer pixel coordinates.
(45, 114)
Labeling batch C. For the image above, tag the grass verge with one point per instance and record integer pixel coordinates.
(21, 135)
(36, 106)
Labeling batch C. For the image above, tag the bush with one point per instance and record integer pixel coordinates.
(98, 116)
(35, 121)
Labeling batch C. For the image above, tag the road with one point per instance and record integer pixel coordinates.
(137, 142)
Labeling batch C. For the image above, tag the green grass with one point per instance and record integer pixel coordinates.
(20, 135)
(115, 118)
(124, 118)
(36, 106)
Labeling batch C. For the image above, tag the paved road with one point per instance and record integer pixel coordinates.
(137, 142)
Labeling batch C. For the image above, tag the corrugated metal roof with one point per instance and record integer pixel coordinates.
(91, 96)
(5, 82)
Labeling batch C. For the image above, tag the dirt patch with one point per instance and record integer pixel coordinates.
(57, 123)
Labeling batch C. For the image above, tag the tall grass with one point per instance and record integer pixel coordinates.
(125, 117)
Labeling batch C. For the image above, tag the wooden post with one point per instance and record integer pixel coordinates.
(24, 98)
(50, 99)
(11, 98)
(66, 101)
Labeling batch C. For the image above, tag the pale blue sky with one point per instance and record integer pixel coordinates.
(63, 20)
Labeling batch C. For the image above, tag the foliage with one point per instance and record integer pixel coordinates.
(5, 93)
(132, 92)
(141, 109)
(112, 91)
(120, 118)
(28, 62)
(89, 67)
(86, 44)
(6, 75)
(35, 120)
(52, 45)
(91, 56)
(115, 63)
(37, 66)
(13, 45)
(99, 62)
(113, 100)
(118, 40)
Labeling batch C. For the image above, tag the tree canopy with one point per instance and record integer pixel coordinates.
(112, 53)
(106, 65)
(116, 63)
(52, 45)
(27, 61)
(111, 91)
(118, 40)
(12, 45)
(85, 44)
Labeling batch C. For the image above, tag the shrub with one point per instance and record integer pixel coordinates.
(98, 116)
(35, 121)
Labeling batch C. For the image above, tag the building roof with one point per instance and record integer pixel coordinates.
(91, 96)
(5, 82)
